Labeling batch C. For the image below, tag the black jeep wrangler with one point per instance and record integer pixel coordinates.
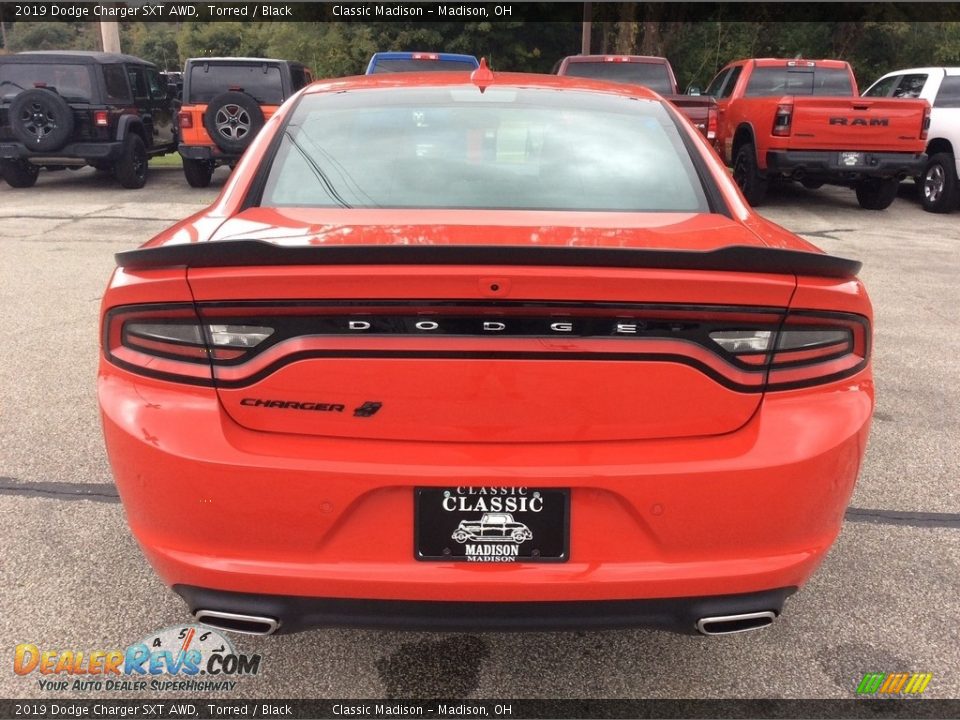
(69, 109)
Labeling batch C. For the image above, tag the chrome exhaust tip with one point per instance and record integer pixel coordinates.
(237, 623)
(730, 624)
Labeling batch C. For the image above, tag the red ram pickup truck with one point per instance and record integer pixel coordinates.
(805, 120)
(652, 72)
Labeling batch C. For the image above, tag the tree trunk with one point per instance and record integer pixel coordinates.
(626, 42)
(651, 43)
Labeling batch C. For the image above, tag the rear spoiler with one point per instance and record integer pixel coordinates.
(241, 253)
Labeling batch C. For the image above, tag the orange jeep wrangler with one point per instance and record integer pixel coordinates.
(225, 103)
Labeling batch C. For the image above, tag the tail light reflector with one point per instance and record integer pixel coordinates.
(925, 125)
(186, 120)
(101, 118)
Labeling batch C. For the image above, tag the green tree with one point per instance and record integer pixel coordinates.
(51, 36)
(154, 42)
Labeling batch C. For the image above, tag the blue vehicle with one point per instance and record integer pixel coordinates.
(392, 62)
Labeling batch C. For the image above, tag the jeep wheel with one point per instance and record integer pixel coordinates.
(131, 168)
(233, 119)
(41, 120)
(752, 184)
(197, 172)
(19, 173)
(939, 184)
(877, 193)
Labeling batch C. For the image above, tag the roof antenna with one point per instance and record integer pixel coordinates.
(482, 76)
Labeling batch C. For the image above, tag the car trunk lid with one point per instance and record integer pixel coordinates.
(493, 352)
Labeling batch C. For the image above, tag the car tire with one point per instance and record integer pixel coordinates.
(41, 120)
(19, 173)
(938, 185)
(131, 169)
(197, 172)
(877, 193)
(233, 119)
(747, 175)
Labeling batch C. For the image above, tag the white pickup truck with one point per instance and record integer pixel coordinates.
(940, 86)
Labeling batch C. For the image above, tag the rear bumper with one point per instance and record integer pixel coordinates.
(827, 165)
(205, 152)
(295, 613)
(218, 506)
(88, 151)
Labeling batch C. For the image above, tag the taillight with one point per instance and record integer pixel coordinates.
(746, 349)
(426, 56)
(712, 124)
(185, 119)
(925, 125)
(783, 119)
(807, 349)
(101, 118)
(169, 342)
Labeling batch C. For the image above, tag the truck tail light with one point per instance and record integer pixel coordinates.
(186, 120)
(101, 118)
(783, 119)
(712, 124)
(925, 125)
(425, 56)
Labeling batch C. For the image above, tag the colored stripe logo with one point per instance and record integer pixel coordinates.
(894, 683)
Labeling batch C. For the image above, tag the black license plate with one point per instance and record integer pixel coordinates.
(492, 524)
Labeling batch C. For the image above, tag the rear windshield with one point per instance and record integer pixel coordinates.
(72, 82)
(262, 82)
(505, 148)
(411, 65)
(652, 75)
(798, 81)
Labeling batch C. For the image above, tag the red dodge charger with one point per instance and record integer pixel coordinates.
(535, 307)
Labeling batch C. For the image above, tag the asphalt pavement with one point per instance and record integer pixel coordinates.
(885, 600)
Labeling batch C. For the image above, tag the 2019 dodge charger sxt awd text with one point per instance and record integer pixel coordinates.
(422, 300)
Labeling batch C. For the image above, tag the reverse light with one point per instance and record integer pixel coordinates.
(238, 335)
(186, 120)
(100, 118)
(739, 341)
(783, 119)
